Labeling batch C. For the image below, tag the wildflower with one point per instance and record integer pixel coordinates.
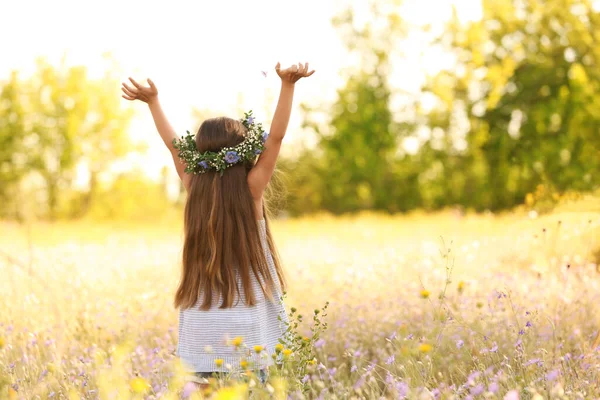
(51, 367)
(319, 343)
(237, 341)
(512, 395)
(232, 157)
(287, 352)
(354, 368)
(494, 348)
(390, 360)
(521, 332)
(425, 293)
(459, 344)
(139, 385)
(493, 387)
(477, 390)
(2, 342)
(250, 120)
(552, 375)
(461, 286)
(265, 136)
(203, 164)
(306, 339)
(425, 348)
(312, 362)
(12, 394)
(258, 349)
(528, 324)
(278, 348)
(219, 362)
(243, 363)
(257, 151)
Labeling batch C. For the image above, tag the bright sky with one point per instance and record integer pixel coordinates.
(206, 54)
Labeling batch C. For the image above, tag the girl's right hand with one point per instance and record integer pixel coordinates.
(147, 94)
(293, 73)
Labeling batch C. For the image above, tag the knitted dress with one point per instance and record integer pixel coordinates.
(203, 335)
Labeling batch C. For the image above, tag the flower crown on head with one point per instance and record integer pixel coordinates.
(199, 163)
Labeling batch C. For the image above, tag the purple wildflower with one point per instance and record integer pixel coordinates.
(250, 120)
(494, 348)
(354, 368)
(265, 135)
(232, 157)
(528, 324)
(391, 359)
(203, 164)
(493, 387)
(305, 379)
(477, 390)
(319, 343)
(257, 151)
(521, 332)
(402, 389)
(459, 344)
(552, 375)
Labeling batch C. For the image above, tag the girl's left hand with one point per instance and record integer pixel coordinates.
(147, 94)
(293, 73)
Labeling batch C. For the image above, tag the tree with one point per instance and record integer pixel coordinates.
(59, 119)
(526, 82)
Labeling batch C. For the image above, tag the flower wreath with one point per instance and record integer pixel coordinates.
(199, 163)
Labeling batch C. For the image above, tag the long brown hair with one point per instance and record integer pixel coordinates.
(222, 239)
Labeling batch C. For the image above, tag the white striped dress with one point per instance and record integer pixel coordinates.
(203, 335)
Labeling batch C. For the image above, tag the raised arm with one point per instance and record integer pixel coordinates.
(149, 95)
(260, 175)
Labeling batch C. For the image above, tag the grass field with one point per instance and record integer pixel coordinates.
(421, 307)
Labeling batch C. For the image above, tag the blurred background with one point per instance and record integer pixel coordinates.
(416, 104)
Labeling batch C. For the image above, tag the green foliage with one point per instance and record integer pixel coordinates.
(53, 122)
(518, 108)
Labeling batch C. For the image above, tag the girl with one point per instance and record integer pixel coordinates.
(231, 313)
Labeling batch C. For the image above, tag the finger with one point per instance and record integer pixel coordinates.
(310, 73)
(152, 85)
(137, 85)
(134, 90)
(127, 97)
(278, 66)
(129, 92)
(305, 68)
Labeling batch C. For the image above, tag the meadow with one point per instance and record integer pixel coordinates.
(423, 306)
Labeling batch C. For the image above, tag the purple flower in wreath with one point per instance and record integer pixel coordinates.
(232, 157)
(203, 164)
(250, 120)
(265, 135)
(257, 151)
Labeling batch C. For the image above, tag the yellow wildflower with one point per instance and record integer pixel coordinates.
(306, 338)
(258, 349)
(2, 342)
(312, 362)
(425, 348)
(461, 286)
(278, 347)
(219, 362)
(139, 385)
(237, 341)
(424, 293)
(12, 393)
(243, 364)
(287, 352)
(51, 367)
